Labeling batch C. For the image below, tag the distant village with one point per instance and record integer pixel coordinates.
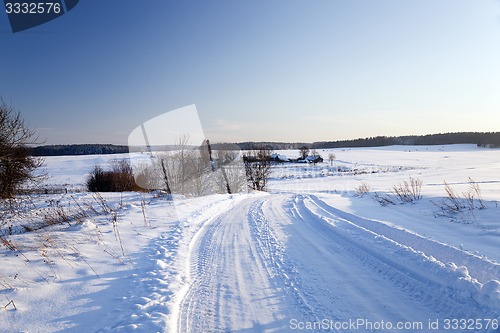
(304, 157)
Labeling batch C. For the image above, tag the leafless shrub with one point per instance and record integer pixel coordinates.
(99, 180)
(383, 199)
(362, 189)
(453, 205)
(452, 202)
(60, 211)
(56, 214)
(64, 210)
(53, 249)
(473, 196)
(119, 179)
(123, 176)
(408, 192)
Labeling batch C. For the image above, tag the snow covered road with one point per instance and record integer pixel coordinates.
(286, 262)
(311, 255)
(232, 288)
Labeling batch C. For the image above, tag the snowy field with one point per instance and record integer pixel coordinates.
(330, 248)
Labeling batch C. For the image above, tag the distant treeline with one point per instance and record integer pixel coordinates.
(83, 149)
(485, 139)
(482, 139)
(258, 145)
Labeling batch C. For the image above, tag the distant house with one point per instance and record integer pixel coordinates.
(314, 159)
(279, 158)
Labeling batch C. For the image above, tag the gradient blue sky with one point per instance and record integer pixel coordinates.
(258, 70)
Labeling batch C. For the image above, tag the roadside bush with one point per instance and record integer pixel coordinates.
(408, 192)
(473, 196)
(383, 199)
(123, 176)
(119, 179)
(99, 180)
(362, 189)
(454, 203)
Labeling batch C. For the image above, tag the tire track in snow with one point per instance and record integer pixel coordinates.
(230, 287)
(201, 221)
(267, 260)
(280, 268)
(448, 293)
(479, 268)
(345, 282)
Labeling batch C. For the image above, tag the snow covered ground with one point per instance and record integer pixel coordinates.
(314, 254)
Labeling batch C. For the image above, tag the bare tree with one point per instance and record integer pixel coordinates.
(17, 166)
(331, 157)
(304, 152)
(258, 168)
(192, 170)
(200, 172)
(230, 174)
(182, 156)
(184, 170)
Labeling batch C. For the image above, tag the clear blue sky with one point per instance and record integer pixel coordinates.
(258, 70)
